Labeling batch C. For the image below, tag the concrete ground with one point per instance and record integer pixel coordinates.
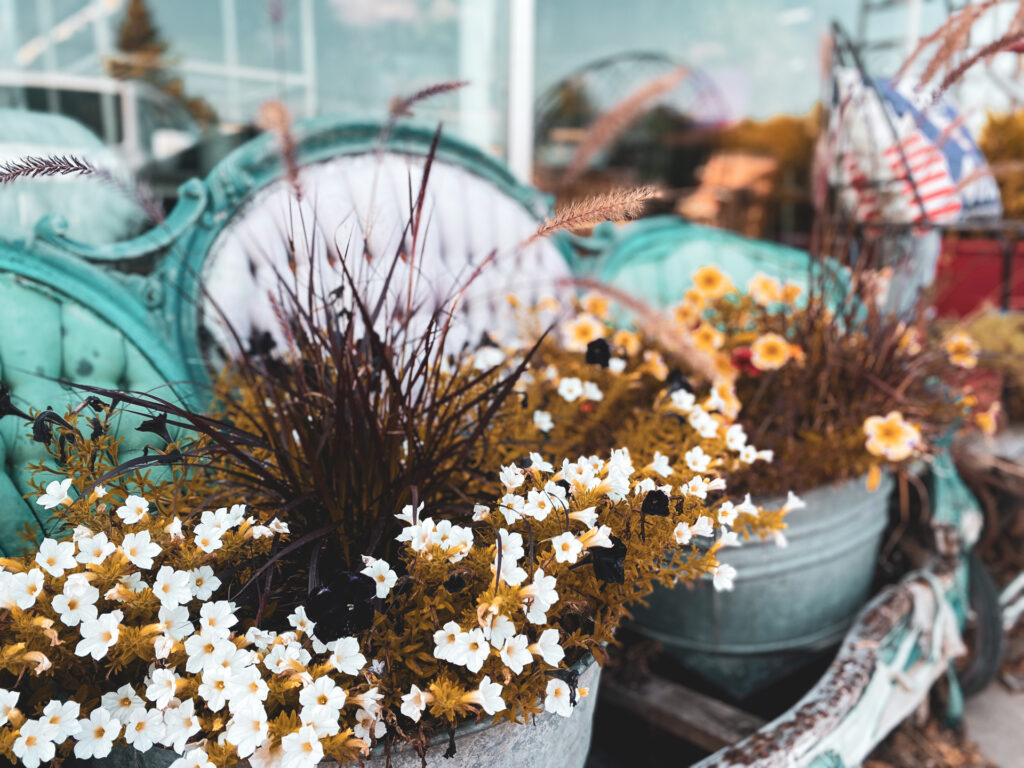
(995, 722)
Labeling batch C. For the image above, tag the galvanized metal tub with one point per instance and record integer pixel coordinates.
(788, 602)
(552, 741)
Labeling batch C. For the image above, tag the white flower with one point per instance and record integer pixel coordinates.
(55, 557)
(133, 509)
(542, 421)
(323, 692)
(217, 618)
(515, 654)
(471, 650)
(367, 726)
(793, 502)
(567, 548)
(172, 587)
(93, 550)
(100, 491)
(34, 744)
(382, 576)
(488, 696)
(248, 729)
(414, 702)
(660, 465)
(547, 647)
(586, 516)
(144, 728)
(729, 539)
(705, 425)
(173, 528)
(140, 549)
(592, 392)
(747, 507)
(682, 534)
(617, 364)
(77, 602)
(99, 635)
(208, 537)
(540, 595)
(180, 724)
(247, 688)
(727, 513)
(195, 758)
(62, 716)
(697, 460)
(538, 463)
(97, 734)
(346, 657)
(501, 629)
(214, 688)
(558, 698)
(8, 702)
(120, 703)
(301, 749)
(704, 526)
(538, 505)
(25, 587)
(512, 508)
(56, 494)
(511, 477)
(278, 526)
(202, 582)
(748, 454)
(445, 640)
(570, 389)
(162, 688)
(683, 400)
(723, 576)
(735, 438)
(487, 357)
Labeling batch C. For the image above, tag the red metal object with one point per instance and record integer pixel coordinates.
(973, 272)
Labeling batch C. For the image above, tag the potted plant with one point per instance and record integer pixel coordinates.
(338, 560)
(841, 396)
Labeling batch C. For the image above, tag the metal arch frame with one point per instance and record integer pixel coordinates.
(172, 255)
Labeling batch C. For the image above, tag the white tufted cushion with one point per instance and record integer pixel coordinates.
(465, 219)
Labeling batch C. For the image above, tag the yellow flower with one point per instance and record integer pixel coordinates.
(582, 330)
(654, 364)
(628, 340)
(962, 350)
(770, 352)
(686, 314)
(988, 420)
(596, 304)
(909, 342)
(695, 297)
(711, 283)
(891, 436)
(790, 292)
(707, 338)
(764, 290)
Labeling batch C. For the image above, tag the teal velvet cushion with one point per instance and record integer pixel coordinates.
(45, 338)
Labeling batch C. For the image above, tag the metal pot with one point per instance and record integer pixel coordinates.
(788, 602)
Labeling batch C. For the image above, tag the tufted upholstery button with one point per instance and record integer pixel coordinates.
(45, 338)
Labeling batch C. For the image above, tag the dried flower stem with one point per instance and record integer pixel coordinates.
(616, 205)
(612, 123)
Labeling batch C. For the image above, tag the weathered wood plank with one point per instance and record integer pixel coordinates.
(693, 717)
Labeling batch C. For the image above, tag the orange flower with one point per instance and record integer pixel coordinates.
(686, 314)
(707, 338)
(654, 364)
(891, 436)
(962, 350)
(596, 304)
(582, 330)
(790, 292)
(711, 283)
(988, 420)
(628, 340)
(764, 290)
(770, 352)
